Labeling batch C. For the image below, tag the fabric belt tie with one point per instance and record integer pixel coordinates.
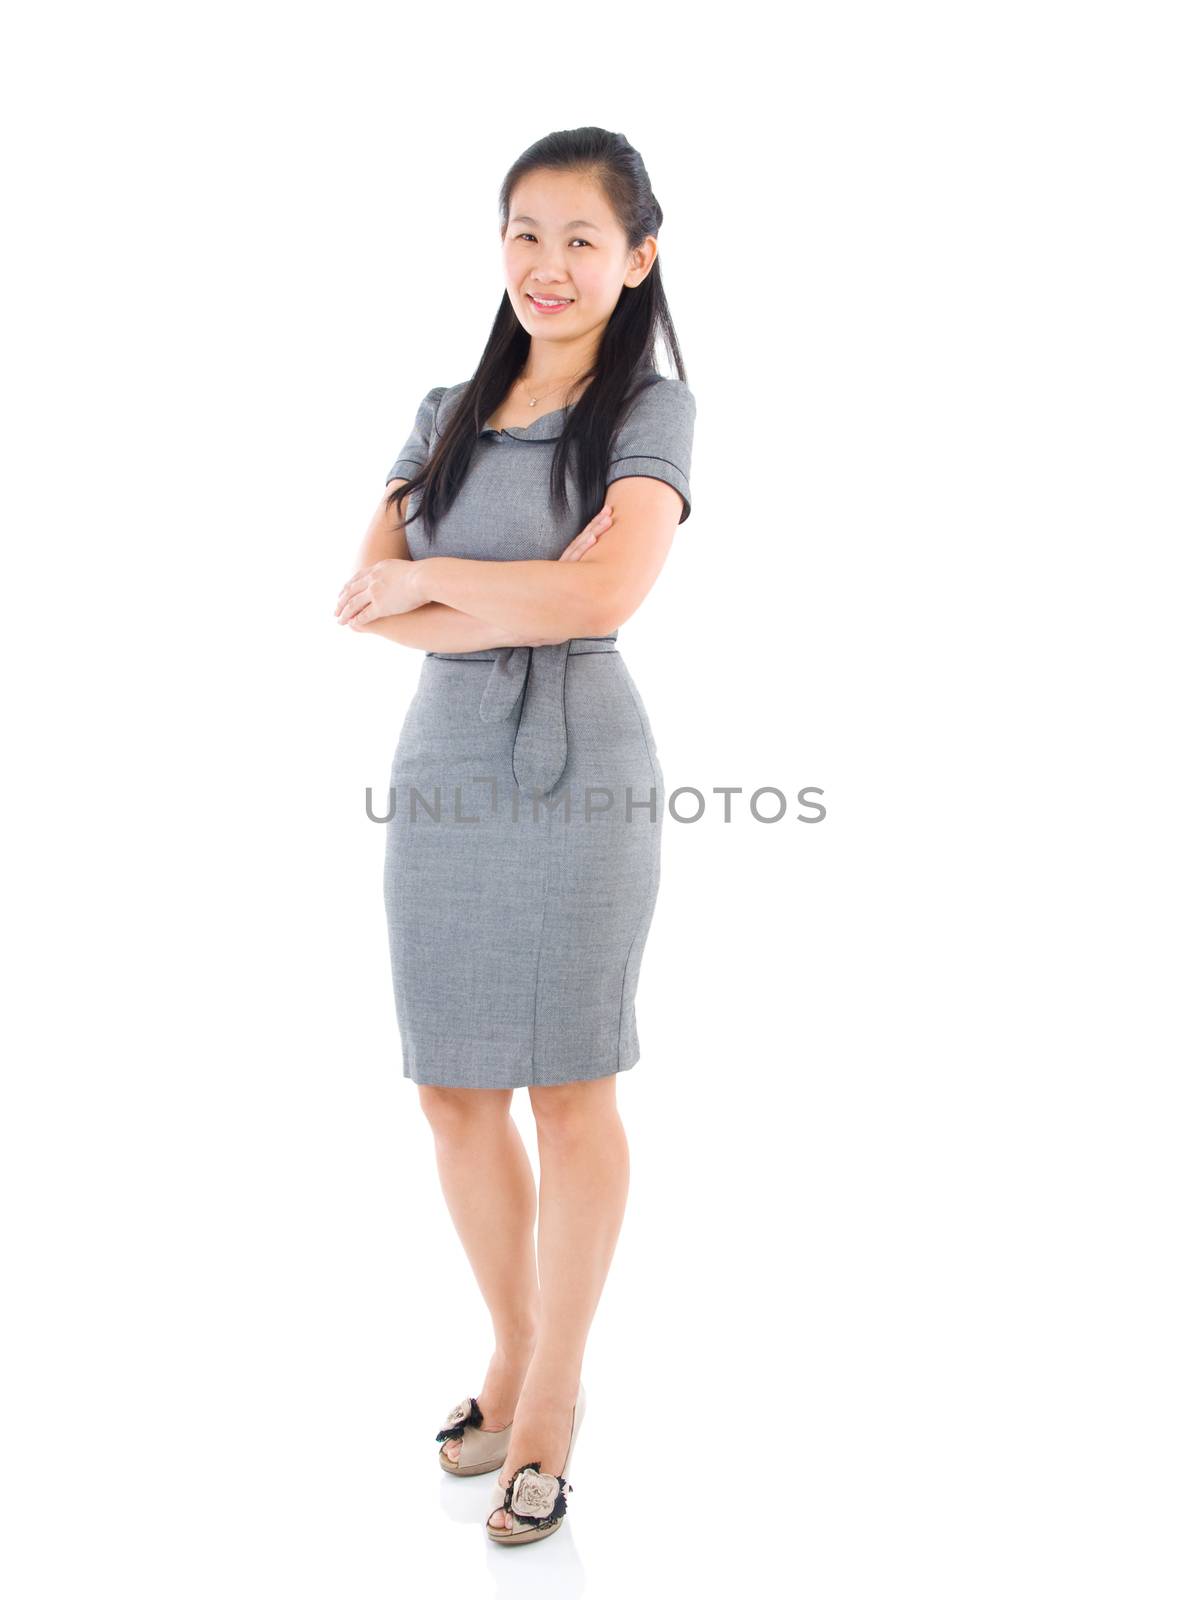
(532, 680)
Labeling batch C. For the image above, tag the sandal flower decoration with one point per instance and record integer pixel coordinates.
(466, 1415)
(537, 1497)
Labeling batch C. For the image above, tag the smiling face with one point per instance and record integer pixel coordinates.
(563, 243)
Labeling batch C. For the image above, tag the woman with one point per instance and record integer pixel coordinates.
(523, 849)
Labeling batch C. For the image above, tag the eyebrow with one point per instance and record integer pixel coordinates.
(580, 222)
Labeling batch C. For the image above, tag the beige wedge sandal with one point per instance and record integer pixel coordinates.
(481, 1449)
(535, 1501)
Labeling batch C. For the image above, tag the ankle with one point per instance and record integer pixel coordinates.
(550, 1389)
(516, 1348)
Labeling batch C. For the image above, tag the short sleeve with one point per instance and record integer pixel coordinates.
(412, 458)
(655, 438)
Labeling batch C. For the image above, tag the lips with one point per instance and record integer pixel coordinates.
(563, 300)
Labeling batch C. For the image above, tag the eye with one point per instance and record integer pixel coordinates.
(574, 241)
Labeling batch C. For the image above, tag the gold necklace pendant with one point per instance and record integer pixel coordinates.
(533, 402)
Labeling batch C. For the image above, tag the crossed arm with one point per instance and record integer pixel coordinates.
(594, 586)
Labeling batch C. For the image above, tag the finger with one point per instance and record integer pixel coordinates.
(591, 534)
(595, 527)
(587, 536)
(360, 620)
(359, 591)
(356, 603)
(579, 546)
(360, 576)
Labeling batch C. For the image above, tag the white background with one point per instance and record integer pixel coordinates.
(895, 1309)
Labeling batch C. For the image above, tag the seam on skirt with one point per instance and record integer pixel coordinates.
(623, 986)
(654, 873)
(538, 961)
(641, 725)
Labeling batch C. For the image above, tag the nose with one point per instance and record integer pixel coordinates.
(550, 269)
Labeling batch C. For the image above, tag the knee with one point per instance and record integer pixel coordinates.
(460, 1113)
(568, 1110)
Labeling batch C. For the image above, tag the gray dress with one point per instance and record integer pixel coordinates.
(523, 848)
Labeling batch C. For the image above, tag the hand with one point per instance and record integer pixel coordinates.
(385, 589)
(578, 547)
(583, 542)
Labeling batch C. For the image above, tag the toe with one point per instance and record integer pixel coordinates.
(497, 1517)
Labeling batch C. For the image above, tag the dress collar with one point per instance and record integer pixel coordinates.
(548, 426)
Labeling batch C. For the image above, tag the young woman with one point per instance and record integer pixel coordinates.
(523, 850)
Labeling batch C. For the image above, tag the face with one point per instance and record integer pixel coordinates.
(563, 242)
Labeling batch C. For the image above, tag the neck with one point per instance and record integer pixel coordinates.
(549, 363)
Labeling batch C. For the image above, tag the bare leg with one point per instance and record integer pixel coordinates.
(489, 1190)
(584, 1163)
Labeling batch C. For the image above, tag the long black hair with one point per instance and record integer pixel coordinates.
(625, 358)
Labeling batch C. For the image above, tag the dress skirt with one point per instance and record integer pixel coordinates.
(518, 913)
